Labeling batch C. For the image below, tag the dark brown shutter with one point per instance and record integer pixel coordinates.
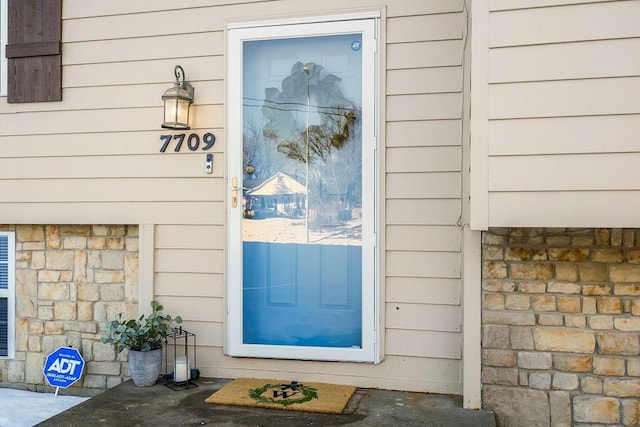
(34, 51)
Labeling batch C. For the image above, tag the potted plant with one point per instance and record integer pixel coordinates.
(143, 338)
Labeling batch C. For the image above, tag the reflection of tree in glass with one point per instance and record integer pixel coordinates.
(333, 132)
(255, 152)
(334, 160)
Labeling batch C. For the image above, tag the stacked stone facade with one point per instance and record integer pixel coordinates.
(71, 279)
(560, 325)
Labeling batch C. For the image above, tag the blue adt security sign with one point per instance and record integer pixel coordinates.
(63, 367)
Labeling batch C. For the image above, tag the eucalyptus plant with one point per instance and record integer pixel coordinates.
(142, 334)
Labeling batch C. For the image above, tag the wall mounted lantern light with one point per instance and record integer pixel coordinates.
(177, 101)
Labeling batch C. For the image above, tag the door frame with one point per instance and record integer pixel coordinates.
(368, 25)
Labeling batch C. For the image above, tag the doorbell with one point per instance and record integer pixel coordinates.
(209, 163)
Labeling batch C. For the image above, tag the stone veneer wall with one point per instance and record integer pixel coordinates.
(560, 326)
(69, 280)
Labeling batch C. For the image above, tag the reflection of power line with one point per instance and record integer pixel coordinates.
(337, 107)
(273, 105)
(329, 113)
(276, 108)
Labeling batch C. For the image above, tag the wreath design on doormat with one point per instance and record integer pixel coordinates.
(282, 394)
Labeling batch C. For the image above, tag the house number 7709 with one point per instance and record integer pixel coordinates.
(192, 141)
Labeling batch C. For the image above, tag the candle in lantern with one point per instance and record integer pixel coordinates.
(182, 369)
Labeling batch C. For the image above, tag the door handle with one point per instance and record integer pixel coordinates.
(234, 192)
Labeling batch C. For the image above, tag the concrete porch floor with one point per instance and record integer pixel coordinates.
(158, 405)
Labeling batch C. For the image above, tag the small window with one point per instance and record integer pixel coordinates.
(3, 43)
(7, 294)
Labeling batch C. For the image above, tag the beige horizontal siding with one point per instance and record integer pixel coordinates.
(423, 290)
(443, 53)
(108, 190)
(111, 120)
(96, 144)
(441, 375)
(587, 172)
(423, 7)
(563, 109)
(128, 26)
(189, 237)
(570, 135)
(423, 159)
(94, 157)
(424, 27)
(208, 335)
(109, 97)
(423, 264)
(424, 133)
(197, 69)
(422, 211)
(114, 212)
(565, 98)
(100, 19)
(424, 186)
(190, 260)
(200, 309)
(424, 343)
(159, 166)
(424, 80)
(423, 317)
(422, 238)
(585, 208)
(75, 9)
(396, 372)
(144, 48)
(583, 60)
(496, 5)
(573, 23)
(81, 8)
(206, 285)
(424, 107)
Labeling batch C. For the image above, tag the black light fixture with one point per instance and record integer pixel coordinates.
(177, 101)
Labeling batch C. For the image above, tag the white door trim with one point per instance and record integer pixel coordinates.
(238, 34)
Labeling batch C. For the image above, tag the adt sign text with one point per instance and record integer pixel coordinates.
(63, 367)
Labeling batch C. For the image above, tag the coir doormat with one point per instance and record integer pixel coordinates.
(293, 395)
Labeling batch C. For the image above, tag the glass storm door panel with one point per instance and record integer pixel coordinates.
(301, 166)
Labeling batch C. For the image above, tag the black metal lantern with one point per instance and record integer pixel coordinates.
(177, 101)
(180, 356)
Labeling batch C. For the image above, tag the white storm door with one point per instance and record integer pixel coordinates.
(301, 143)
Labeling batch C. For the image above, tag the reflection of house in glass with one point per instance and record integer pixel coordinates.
(280, 195)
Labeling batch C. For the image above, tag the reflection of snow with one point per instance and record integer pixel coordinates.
(288, 230)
